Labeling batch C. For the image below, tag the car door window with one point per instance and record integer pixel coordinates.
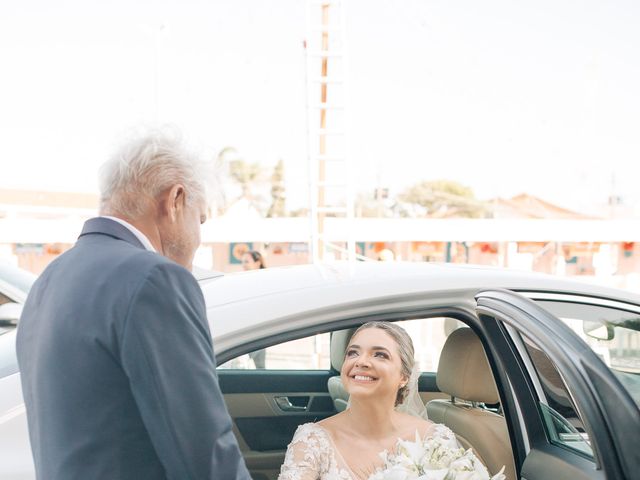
(428, 336)
(612, 333)
(562, 421)
(313, 352)
(308, 353)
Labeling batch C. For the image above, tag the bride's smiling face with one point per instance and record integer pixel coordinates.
(372, 368)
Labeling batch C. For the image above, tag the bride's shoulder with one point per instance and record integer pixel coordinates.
(308, 429)
(440, 430)
(425, 428)
(332, 423)
(413, 424)
(309, 434)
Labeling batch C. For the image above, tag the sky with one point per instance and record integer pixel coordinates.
(505, 97)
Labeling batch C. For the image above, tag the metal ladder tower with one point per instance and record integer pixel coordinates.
(330, 177)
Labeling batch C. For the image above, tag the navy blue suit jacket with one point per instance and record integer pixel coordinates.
(118, 370)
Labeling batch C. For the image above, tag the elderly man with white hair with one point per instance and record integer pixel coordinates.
(114, 348)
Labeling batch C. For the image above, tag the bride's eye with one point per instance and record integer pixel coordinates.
(381, 355)
(351, 353)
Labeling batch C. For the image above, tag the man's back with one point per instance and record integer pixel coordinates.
(102, 377)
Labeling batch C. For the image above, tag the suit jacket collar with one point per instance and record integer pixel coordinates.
(106, 226)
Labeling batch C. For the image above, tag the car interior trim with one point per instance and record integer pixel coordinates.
(523, 427)
(524, 355)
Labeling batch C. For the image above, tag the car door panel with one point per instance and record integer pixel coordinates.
(558, 465)
(267, 406)
(610, 427)
(272, 381)
(265, 426)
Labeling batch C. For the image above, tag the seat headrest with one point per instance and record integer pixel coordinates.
(463, 369)
(339, 342)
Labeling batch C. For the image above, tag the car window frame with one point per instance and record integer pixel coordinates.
(542, 396)
(546, 298)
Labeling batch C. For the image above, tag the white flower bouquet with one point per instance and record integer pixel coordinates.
(433, 458)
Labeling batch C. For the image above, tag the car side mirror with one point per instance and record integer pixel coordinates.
(10, 313)
(598, 330)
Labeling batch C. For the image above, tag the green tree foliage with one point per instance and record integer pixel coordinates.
(277, 208)
(239, 180)
(444, 199)
(372, 204)
(245, 174)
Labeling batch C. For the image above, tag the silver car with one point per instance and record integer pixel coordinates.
(533, 372)
(15, 284)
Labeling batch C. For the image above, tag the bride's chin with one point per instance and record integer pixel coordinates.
(367, 400)
(361, 394)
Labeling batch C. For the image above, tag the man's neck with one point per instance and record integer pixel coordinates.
(146, 232)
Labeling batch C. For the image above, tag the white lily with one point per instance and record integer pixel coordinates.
(436, 458)
(440, 474)
(414, 450)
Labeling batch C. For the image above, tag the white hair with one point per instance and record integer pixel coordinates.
(146, 165)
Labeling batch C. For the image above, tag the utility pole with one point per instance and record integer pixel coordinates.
(330, 186)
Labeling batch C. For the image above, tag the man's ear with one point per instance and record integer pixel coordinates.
(174, 201)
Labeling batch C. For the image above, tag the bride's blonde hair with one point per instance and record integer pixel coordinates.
(405, 349)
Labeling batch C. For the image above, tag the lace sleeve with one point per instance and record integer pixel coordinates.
(306, 455)
(445, 433)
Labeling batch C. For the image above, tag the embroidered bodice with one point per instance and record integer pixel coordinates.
(312, 455)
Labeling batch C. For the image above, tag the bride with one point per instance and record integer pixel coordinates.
(377, 374)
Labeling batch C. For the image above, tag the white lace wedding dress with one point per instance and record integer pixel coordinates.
(312, 455)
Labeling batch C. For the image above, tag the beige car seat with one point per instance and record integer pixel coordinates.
(465, 374)
(339, 342)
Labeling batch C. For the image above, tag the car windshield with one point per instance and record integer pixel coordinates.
(17, 277)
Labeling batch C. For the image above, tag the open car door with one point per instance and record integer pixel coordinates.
(570, 415)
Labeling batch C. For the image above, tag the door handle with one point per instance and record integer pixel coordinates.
(286, 406)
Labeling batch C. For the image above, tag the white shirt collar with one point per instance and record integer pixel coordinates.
(139, 235)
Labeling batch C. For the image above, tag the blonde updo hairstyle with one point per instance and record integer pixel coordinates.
(405, 350)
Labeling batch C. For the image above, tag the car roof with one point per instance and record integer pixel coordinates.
(241, 286)
(243, 299)
(237, 302)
